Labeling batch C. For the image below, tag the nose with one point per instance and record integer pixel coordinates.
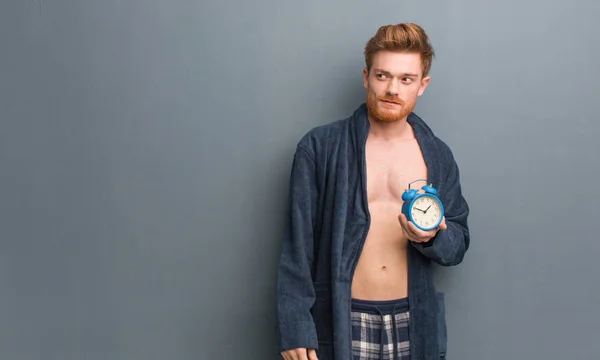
(392, 88)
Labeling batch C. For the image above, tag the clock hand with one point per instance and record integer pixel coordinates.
(420, 210)
(426, 209)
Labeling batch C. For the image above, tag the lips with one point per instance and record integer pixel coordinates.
(390, 102)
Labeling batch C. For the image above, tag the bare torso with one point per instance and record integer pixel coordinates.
(381, 272)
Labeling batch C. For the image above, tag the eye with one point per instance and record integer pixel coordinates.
(380, 76)
(407, 80)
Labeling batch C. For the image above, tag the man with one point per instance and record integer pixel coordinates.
(355, 276)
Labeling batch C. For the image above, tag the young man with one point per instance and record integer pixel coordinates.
(354, 277)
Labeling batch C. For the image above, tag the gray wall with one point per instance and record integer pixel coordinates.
(145, 149)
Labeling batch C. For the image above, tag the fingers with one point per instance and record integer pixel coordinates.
(312, 354)
(414, 231)
(443, 225)
(415, 234)
(289, 355)
(301, 354)
(407, 231)
(403, 225)
(410, 230)
(297, 354)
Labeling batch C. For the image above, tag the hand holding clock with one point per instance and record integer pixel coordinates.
(412, 233)
(420, 225)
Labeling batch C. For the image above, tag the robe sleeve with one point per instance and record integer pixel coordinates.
(295, 290)
(448, 247)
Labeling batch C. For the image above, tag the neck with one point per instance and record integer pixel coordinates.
(390, 130)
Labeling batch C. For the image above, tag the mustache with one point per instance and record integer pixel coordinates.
(392, 99)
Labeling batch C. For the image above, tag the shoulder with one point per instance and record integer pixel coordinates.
(319, 138)
(428, 136)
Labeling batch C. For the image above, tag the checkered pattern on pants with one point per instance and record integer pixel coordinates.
(380, 330)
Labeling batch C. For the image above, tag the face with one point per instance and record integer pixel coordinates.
(393, 85)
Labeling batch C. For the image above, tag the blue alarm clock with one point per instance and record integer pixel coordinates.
(425, 210)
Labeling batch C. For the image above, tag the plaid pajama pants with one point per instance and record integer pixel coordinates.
(380, 330)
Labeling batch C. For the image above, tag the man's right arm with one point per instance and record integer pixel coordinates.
(295, 291)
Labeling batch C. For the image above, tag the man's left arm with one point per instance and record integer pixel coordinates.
(446, 246)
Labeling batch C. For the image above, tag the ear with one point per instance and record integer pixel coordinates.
(424, 84)
(365, 77)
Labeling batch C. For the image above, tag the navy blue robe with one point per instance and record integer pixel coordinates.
(326, 226)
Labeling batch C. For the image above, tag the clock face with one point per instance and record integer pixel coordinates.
(426, 212)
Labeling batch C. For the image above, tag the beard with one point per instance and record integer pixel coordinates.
(388, 114)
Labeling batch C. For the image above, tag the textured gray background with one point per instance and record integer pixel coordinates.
(145, 149)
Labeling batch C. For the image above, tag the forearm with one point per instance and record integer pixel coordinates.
(447, 247)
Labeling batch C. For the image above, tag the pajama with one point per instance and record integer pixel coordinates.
(380, 330)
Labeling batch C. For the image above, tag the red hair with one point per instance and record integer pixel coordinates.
(404, 37)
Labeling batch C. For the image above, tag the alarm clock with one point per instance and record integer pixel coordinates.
(425, 210)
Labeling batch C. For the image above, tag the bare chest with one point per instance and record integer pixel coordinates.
(391, 168)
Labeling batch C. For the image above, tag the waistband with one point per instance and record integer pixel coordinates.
(380, 307)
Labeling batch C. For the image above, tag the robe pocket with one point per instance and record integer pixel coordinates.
(322, 313)
(442, 330)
